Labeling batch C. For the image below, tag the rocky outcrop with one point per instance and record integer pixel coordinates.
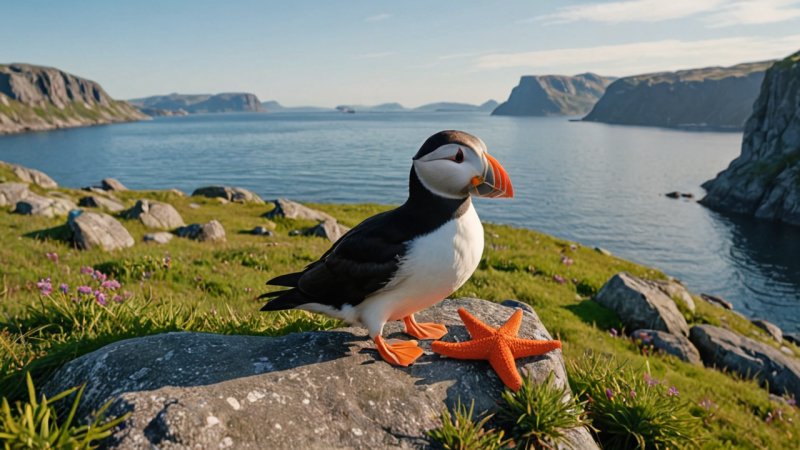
(772, 330)
(676, 345)
(155, 214)
(38, 205)
(27, 175)
(293, 210)
(751, 359)
(202, 103)
(91, 229)
(554, 95)
(323, 389)
(212, 232)
(44, 98)
(329, 229)
(160, 237)
(764, 181)
(11, 193)
(99, 201)
(112, 184)
(641, 304)
(712, 97)
(231, 194)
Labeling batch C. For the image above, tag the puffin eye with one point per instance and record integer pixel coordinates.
(459, 158)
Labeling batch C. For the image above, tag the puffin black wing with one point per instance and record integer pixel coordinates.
(360, 263)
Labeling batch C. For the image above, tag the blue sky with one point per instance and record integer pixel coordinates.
(365, 52)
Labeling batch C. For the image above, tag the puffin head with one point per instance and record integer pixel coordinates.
(454, 164)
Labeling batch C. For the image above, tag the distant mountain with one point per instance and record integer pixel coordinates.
(554, 95)
(44, 98)
(202, 103)
(456, 107)
(273, 106)
(712, 97)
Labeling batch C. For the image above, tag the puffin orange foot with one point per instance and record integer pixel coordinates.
(423, 330)
(398, 353)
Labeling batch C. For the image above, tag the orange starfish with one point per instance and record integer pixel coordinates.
(501, 346)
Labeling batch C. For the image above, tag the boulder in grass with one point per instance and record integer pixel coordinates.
(212, 232)
(160, 237)
(676, 345)
(773, 330)
(34, 176)
(93, 229)
(11, 193)
(98, 201)
(38, 205)
(155, 214)
(231, 194)
(641, 304)
(293, 210)
(322, 389)
(677, 292)
(112, 184)
(749, 358)
(329, 229)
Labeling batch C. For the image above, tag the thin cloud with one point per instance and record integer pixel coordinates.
(378, 17)
(640, 57)
(375, 55)
(755, 13)
(629, 11)
(457, 56)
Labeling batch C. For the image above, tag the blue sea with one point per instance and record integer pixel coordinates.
(597, 184)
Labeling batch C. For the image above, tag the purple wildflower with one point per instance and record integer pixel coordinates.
(706, 404)
(118, 298)
(650, 380)
(791, 401)
(609, 393)
(613, 332)
(52, 256)
(97, 275)
(45, 286)
(111, 285)
(86, 270)
(566, 260)
(63, 287)
(673, 391)
(84, 290)
(100, 298)
(632, 394)
(559, 279)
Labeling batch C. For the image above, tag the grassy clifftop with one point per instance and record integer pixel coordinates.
(189, 285)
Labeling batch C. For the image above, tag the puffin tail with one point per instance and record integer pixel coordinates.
(287, 299)
(288, 280)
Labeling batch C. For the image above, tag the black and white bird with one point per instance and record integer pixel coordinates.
(405, 260)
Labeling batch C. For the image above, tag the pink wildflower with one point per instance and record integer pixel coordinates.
(673, 391)
(559, 279)
(650, 380)
(118, 298)
(706, 404)
(97, 275)
(86, 270)
(111, 285)
(45, 286)
(127, 294)
(613, 332)
(632, 394)
(84, 290)
(609, 394)
(566, 260)
(100, 298)
(52, 256)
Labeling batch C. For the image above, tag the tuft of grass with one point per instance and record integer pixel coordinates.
(631, 409)
(539, 414)
(461, 431)
(35, 424)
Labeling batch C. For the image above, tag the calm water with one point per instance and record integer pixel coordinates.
(592, 183)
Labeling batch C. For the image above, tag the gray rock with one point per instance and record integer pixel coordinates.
(717, 301)
(92, 229)
(676, 345)
(37, 205)
(112, 184)
(98, 201)
(751, 359)
(602, 251)
(212, 232)
(516, 304)
(329, 229)
(34, 176)
(160, 237)
(641, 304)
(11, 193)
(231, 194)
(794, 338)
(155, 214)
(677, 292)
(773, 330)
(304, 390)
(293, 210)
(261, 231)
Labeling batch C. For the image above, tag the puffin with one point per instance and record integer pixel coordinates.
(402, 261)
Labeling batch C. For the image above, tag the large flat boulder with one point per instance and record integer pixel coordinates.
(229, 193)
(153, 214)
(112, 184)
(749, 358)
(11, 193)
(212, 231)
(39, 205)
(672, 344)
(642, 304)
(99, 201)
(37, 177)
(293, 210)
(303, 390)
(91, 229)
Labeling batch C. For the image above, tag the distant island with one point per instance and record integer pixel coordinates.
(487, 106)
(554, 95)
(199, 103)
(35, 98)
(712, 97)
(764, 181)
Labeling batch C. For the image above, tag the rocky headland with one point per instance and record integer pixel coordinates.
(554, 95)
(764, 181)
(707, 98)
(199, 103)
(36, 98)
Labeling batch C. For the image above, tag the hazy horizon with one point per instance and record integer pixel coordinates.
(314, 53)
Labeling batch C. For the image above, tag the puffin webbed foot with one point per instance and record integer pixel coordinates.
(397, 352)
(427, 330)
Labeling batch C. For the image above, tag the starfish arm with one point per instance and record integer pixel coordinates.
(522, 348)
(502, 361)
(476, 328)
(511, 327)
(475, 349)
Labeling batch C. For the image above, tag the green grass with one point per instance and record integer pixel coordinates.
(212, 287)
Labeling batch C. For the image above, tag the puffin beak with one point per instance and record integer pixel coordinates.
(494, 183)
